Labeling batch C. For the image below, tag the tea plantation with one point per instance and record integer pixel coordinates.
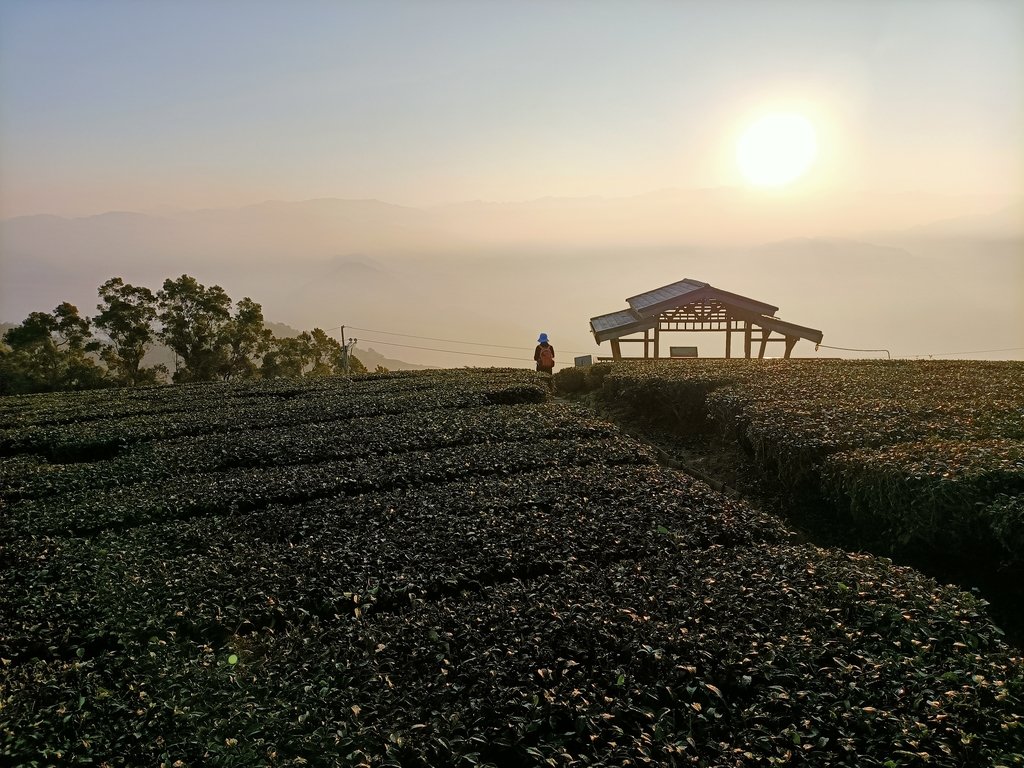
(446, 568)
(922, 455)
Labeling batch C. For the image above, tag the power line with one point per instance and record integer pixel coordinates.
(446, 341)
(935, 354)
(431, 338)
(853, 349)
(434, 349)
(975, 352)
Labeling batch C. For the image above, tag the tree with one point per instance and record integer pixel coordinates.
(328, 356)
(308, 354)
(49, 351)
(355, 365)
(325, 354)
(31, 361)
(72, 330)
(11, 373)
(193, 319)
(245, 340)
(287, 357)
(126, 317)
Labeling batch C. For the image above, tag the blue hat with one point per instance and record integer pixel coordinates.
(543, 339)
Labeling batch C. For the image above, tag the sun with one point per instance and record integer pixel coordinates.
(776, 149)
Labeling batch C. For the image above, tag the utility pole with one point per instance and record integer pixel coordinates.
(347, 345)
(344, 352)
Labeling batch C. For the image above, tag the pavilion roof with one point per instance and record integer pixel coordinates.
(645, 309)
(687, 291)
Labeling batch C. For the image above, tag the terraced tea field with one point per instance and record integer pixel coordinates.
(445, 568)
(926, 455)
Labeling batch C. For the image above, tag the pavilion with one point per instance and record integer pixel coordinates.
(692, 306)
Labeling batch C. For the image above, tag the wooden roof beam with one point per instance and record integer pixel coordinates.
(783, 327)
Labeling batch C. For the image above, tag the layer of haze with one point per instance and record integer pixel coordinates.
(536, 163)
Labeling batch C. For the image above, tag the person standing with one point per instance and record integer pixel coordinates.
(544, 354)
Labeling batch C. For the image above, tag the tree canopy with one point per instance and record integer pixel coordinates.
(212, 339)
(50, 351)
(126, 315)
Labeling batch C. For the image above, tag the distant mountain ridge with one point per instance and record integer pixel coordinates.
(681, 215)
(498, 273)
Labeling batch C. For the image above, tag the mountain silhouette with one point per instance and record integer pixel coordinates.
(870, 271)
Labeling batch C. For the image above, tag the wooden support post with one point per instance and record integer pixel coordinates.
(765, 333)
(746, 339)
(616, 349)
(657, 336)
(728, 339)
(790, 343)
(647, 344)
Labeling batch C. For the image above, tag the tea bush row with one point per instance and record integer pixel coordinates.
(758, 655)
(345, 557)
(243, 490)
(79, 440)
(305, 443)
(91, 405)
(936, 492)
(858, 433)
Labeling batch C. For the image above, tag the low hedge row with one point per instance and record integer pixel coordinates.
(886, 443)
(244, 490)
(63, 441)
(307, 442)
(209, 577)
(942, 494)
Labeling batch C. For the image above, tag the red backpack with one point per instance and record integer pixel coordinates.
(546, 358)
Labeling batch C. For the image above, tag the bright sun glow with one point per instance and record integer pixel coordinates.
(776, 149)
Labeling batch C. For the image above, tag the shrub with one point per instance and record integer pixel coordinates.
(571, 380)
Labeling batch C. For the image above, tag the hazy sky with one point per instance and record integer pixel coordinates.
(109, 104)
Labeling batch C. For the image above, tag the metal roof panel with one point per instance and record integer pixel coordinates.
(622, 323)
(683, 292)
(670, 292)
(613, 320)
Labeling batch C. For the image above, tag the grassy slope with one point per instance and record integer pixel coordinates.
(445, 568)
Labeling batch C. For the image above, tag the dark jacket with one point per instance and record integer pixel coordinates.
(536, 356)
